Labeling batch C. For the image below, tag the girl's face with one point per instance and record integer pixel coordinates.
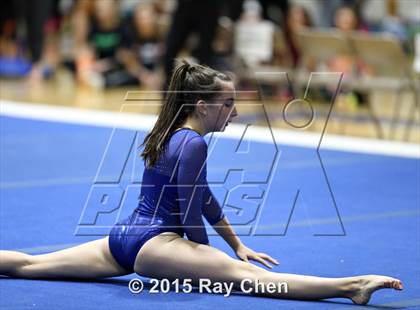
(221, 110)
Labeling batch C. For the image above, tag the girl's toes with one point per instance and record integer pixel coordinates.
(398, 285)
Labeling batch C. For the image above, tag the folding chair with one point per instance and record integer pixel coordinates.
(322, 45)
(391, 68)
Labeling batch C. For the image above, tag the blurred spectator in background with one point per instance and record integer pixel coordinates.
(394, 24)
(143, 47)
(400, 18)
(223, 44)
(111, 43)
(279, 14)
(329, 9)
(96, 63)
(347, 20)
(192, 16)
(81, 19)
(254, 36)
(298, 18)
(14, 61)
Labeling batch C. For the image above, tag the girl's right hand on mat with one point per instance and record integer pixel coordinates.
(244, 253)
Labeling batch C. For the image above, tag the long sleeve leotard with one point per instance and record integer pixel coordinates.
(175, 189)
(174, 197)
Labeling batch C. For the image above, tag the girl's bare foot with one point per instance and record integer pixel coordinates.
(367, 285)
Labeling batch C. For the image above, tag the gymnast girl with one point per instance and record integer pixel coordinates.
(150, 241)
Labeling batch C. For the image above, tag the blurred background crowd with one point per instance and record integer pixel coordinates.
(106, 44)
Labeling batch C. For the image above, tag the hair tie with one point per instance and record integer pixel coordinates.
(186, 65)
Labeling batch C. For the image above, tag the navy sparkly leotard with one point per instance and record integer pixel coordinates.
(174, 197)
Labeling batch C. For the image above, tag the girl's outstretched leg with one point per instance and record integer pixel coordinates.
(172, 257)
(359, 288)
(89, 260)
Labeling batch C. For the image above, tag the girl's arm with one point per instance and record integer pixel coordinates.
(225, 230)
(190, 193)
(214, 215)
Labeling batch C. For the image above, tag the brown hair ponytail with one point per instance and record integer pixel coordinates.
(189, 83)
